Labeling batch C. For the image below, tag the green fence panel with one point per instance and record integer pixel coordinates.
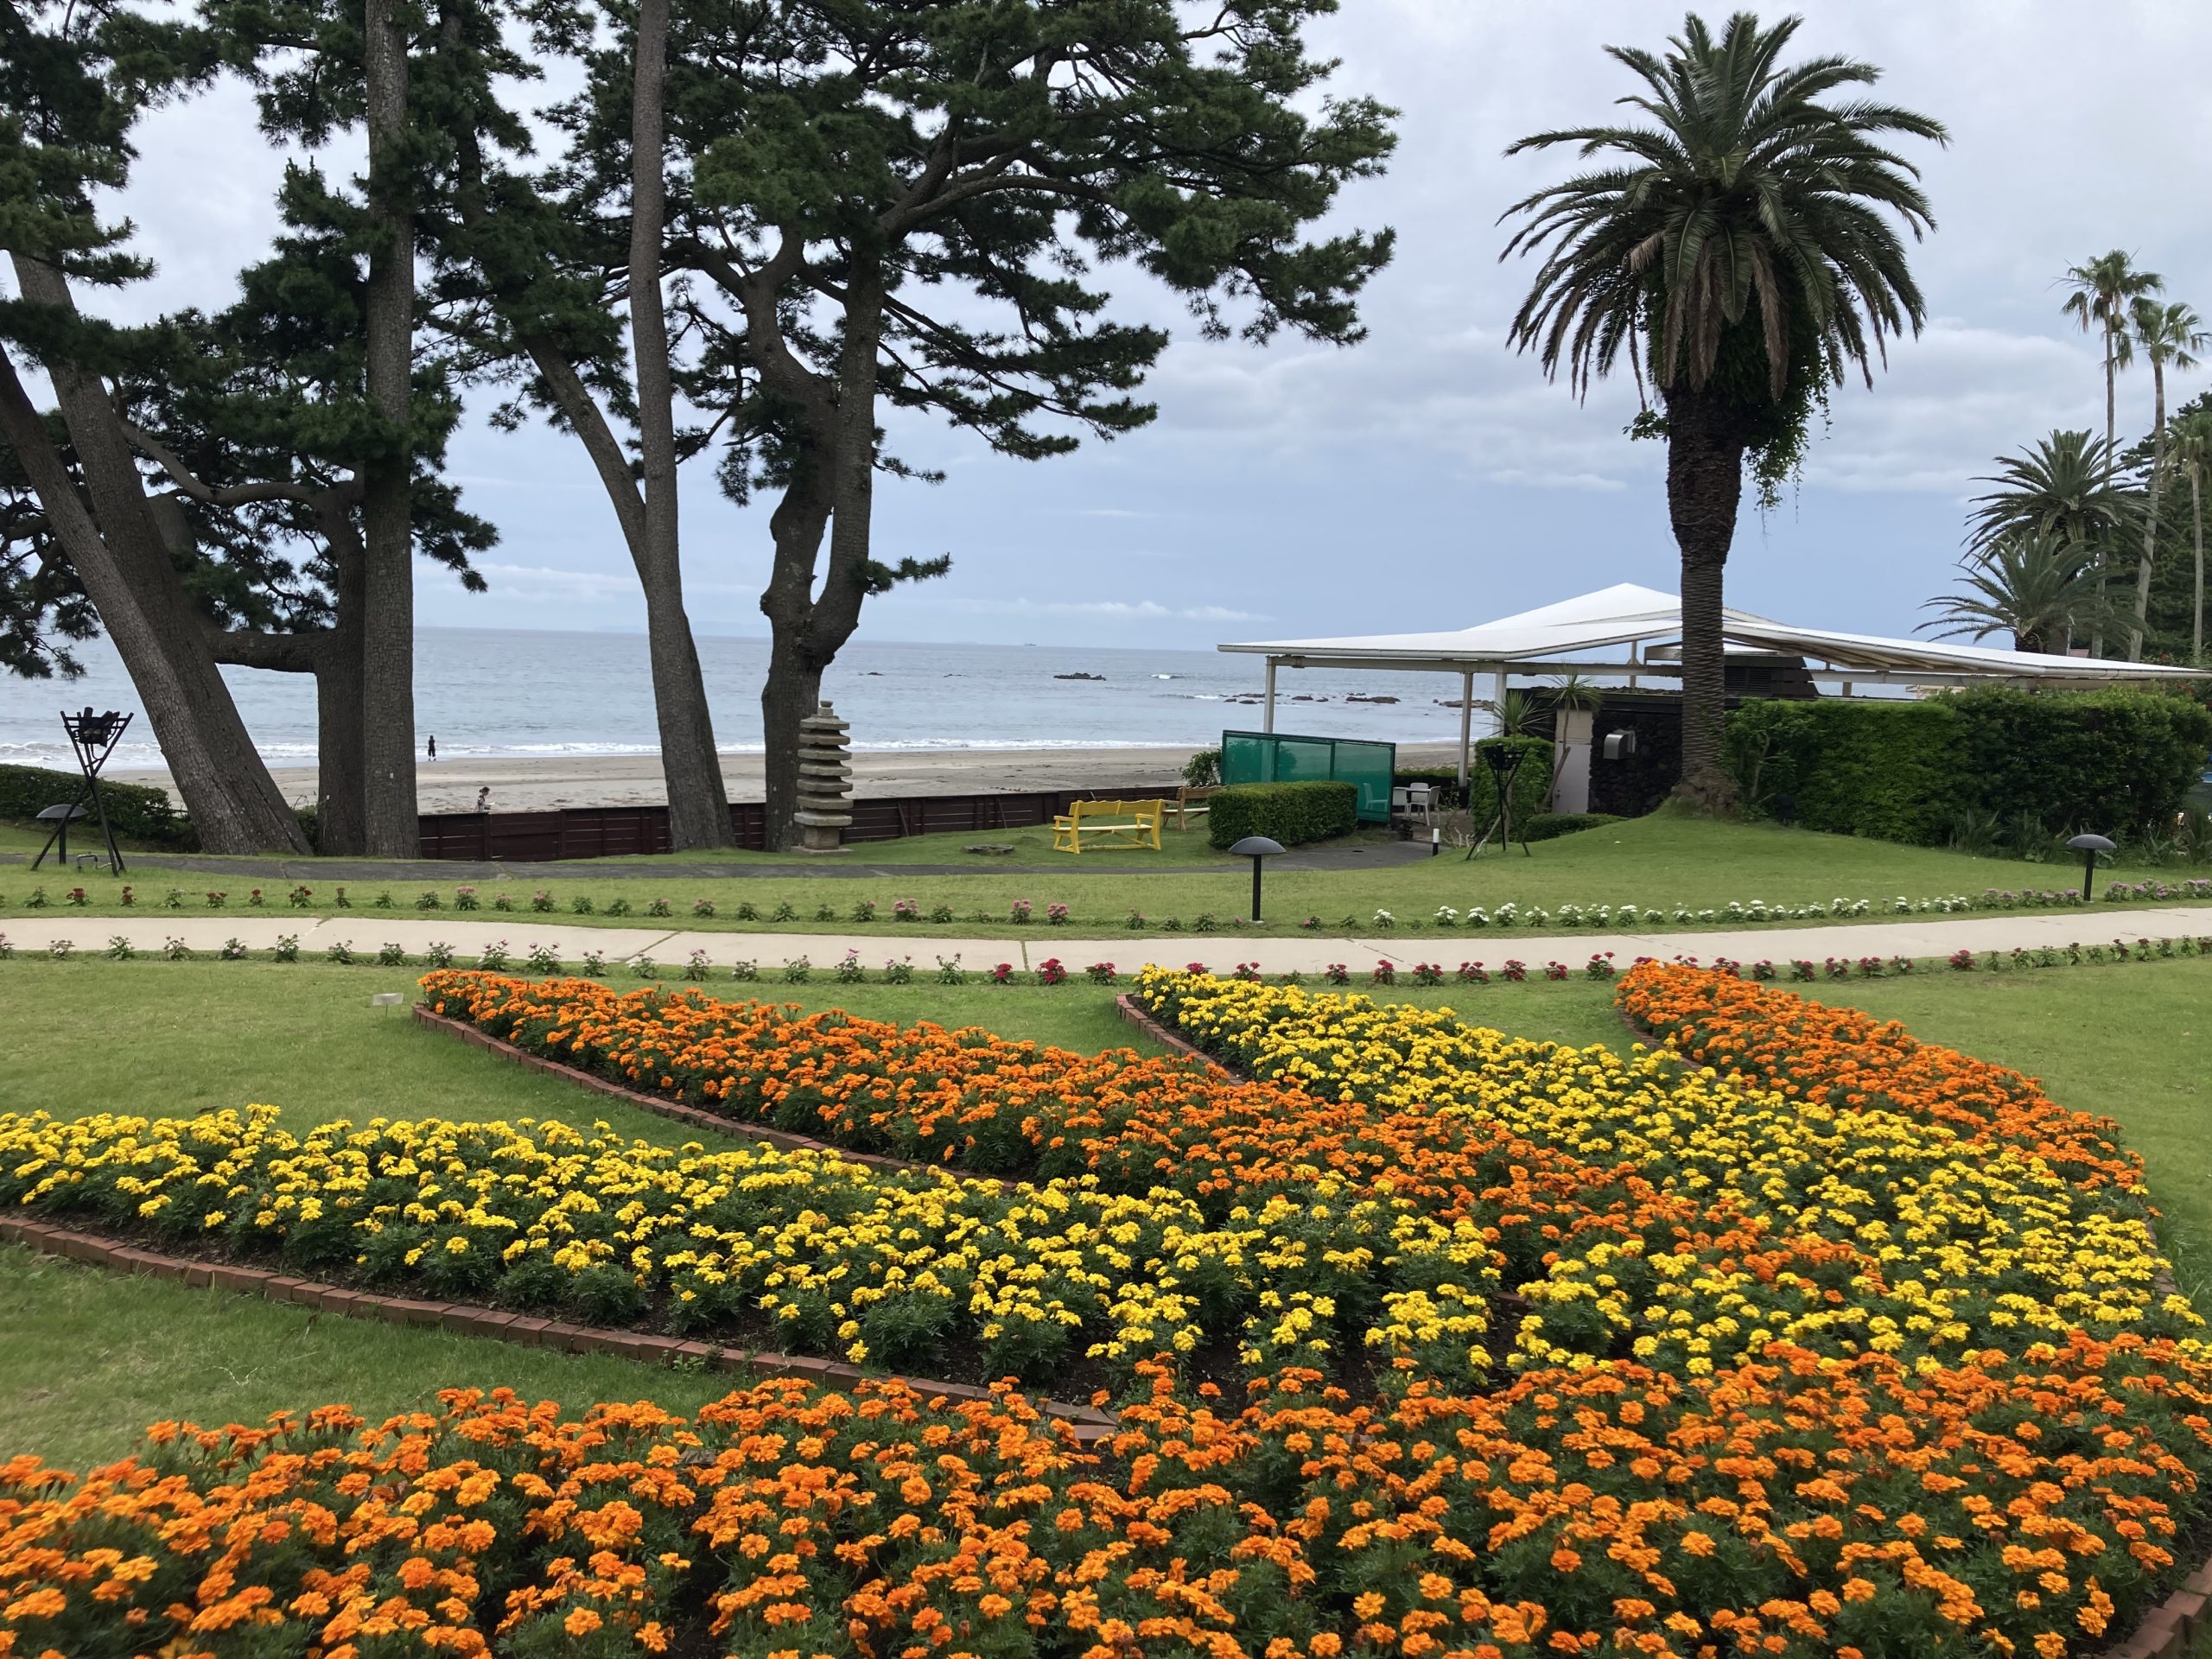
(1287, 758)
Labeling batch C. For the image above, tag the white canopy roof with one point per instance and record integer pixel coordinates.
(1631, 629)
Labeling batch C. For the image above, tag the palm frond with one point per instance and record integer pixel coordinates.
(1749, 187)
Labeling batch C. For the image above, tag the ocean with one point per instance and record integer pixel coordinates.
(489, 691)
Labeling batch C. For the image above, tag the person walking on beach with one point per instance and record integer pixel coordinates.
(433, 746)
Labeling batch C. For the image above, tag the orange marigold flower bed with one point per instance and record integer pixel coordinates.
(1787, 1507)
(970, 1101)
(1846, 1058)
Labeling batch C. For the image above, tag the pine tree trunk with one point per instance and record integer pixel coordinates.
(341, 809)
(1705, 485)
(793, 687)
(790, 693)
(808, 631)
(388, 587)
(234, 804)
(698, 804)
(342, 820)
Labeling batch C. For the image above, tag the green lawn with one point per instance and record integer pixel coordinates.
(1660, 861)
(91, 1359)
(173, 1038)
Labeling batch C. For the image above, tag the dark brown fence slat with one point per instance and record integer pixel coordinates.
(630, 831)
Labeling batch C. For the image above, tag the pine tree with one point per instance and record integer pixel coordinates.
(874, 206)
(74, 81)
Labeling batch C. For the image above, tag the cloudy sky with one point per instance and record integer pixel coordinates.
(1428, 477)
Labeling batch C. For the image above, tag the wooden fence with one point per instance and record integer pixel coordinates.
(619, 831)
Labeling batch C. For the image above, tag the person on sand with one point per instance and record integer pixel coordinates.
(433, 746)
(484, 799)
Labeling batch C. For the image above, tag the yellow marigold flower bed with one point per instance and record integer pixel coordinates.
(1877, 1196)
(805, 1252)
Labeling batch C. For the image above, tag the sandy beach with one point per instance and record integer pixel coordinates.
(536, 783)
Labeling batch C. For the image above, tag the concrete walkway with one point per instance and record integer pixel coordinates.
(365, 933)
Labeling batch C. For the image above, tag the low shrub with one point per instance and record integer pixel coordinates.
(1549, 826)
(137, 812)
(1293, 814)
(1532, 783)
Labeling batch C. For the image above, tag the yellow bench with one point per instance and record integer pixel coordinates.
(1110, 823)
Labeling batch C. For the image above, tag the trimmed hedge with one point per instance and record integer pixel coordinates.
(139, 812)
(1532, 785)
(1549, 826)
(2114, 761)
(1289, 813)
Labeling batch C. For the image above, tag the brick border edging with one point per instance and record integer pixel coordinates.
(1134, 1013)
(646, 1348)
(2171, 1629)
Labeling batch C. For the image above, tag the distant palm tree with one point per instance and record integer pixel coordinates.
(1737, 250)
(2189, 453)
(2032, 584)
(2102, 290)
(2167, 335)
(2069, 485)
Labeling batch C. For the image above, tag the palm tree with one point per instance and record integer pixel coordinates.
(1735, 246)
(2167, 334)
(2069, 485)
(2101, 291)
(2032, 584)
(2101, 294)
(2189, 453)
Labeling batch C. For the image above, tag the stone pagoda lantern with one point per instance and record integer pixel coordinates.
(825, 782)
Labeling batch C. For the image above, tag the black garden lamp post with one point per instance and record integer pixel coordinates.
(92, 738)
(2090, 847)
(1504, 760)
(1255, 847)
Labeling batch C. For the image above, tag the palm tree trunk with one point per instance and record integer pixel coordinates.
(387, 512)
(2097, 629)
(2197, 512)
(2151, 512)
(1705, 485)
(698, 804)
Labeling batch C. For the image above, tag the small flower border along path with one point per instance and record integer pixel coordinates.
(364, 932)
(646, 1348)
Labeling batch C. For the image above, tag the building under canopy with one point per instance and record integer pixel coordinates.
(1629, 634)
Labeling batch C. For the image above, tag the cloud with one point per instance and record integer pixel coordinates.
(1430, 468)
(1118, 610)
(540, 581)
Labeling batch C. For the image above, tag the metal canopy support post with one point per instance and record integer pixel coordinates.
(1498, 703)
(1267, 719)
(1466, 726)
